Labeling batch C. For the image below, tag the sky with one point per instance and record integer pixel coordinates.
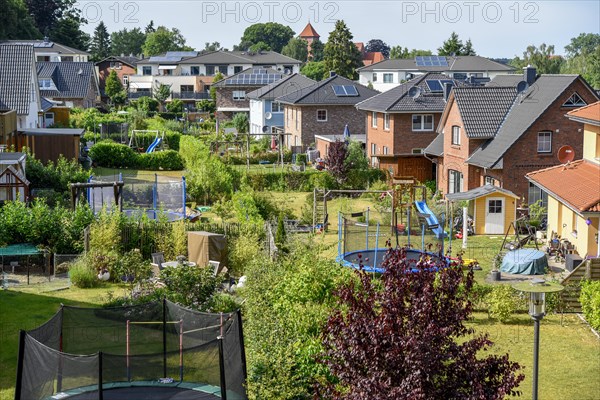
(496, 28)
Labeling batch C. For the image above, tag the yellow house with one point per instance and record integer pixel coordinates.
(574, 188)
(492, 207)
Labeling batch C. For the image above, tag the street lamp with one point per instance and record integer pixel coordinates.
(537, 289)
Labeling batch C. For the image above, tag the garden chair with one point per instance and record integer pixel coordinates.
(157, 260)
(216, 266)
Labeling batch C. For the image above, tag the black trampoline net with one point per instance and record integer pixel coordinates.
(155, 343)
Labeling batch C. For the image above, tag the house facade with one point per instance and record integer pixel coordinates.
(324, 108)
(574, 209)
(123, 66)
(72, 84)
(401, 122)
(514, 125)
(46, 50)
(266, 114)
(388, 74)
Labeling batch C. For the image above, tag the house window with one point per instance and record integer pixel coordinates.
(237, 69)
(417, 151)
(210, 70)
(147, 70)
(186, 88)
(456, 135)
(239, 94)
(422, 122)
(455, 181)
(68, 59)
(374, 119)
(45, 83)
(287, 117)
(461, 76)
(194, 70)
(276, 107)
(385, 150)
(374, 76)
(115, 65)
(494, 206)
(223, 69)
(322, 115)
(535, 194)
(574, 101)
(491, 181)
(386, 122)
(388, 78)
(125, 80)
(373, 149)
(544, 144)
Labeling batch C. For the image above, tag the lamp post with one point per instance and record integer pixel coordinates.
(537, 289)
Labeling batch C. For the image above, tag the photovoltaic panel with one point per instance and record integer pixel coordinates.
(431, 61)
(351, 90)
(444, 81)
(434, 85)
(344, 90)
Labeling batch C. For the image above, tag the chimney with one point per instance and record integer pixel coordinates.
(332, 74)
(447, 89)
(529, 74)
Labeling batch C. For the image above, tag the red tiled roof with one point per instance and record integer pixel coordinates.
(590, 113)
(360, 46)
(583, 191)
(309, 31)
(373, 57)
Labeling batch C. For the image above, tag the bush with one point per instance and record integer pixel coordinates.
(113, 155)
(83, 274)
(189, 286)
(131, 267)
(590, 302)
(169, 160)
(502, 302)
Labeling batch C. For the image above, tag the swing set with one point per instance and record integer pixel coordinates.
(158, 142)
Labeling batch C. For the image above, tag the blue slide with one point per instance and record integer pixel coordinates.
(421, 207)
(153, 145)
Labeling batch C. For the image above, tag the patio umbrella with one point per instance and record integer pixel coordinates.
(346, 133)
(273, 142)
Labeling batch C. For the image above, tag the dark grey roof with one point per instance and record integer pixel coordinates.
(16, 77)
(398, 100)
(483, 108)
(42, 46)
(479, 192)
(282, 87)
(72, 79)
(528, 107)
(252, 77)
(265, 57)
(457, 64)
(46, 104)
(235, 57)
(53, 131)
(129, 60)
(16, 173)
(11, 157)
(436, 147)
(506, 80)
(322, 93)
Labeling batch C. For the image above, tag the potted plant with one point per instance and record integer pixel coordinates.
(496, 264)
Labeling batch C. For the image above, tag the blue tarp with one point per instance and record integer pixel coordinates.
(525, 262)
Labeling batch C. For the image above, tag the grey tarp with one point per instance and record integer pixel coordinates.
(525, 262)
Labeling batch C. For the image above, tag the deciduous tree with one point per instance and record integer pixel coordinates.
(315, 70)
(272, 33)
(404, 338)
(336, 161)
(316, 50)
(542, 57)
(127, 42)
(403, 52)
(163, 40)
(15, 21)
(297, 48)
(161, 93)
(378, 45)
(113, 86)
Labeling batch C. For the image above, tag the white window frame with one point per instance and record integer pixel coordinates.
(146, 68)
(544, 142)
(239, 95)
(386, 121)
(321, 119)
(388, 78)
(125, 80)
(373, 119)
(191, 70)
(490, 180)
(278, 106)
(374, 76)
(385, 150)
(419, 126)
(452, 184)
(373, 149)
(455, 139)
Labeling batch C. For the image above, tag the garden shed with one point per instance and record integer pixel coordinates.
(49, 143)
(207, 246)
(493, 208)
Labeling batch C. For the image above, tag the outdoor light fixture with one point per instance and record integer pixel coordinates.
(537, 289)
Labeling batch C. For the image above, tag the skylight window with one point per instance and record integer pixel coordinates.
(345, 90)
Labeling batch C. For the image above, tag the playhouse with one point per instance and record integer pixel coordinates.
(493, 208)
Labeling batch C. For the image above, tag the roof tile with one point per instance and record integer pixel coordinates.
(16, 65)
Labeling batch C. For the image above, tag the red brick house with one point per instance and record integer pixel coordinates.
(310, 35)
(123, 66)
(324, 108)
(514, 125)
(402, 122)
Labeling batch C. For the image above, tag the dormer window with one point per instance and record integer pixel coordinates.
(574, 101)
(115, 65)
(45, 83)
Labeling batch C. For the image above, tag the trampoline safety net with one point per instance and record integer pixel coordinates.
(94, 350)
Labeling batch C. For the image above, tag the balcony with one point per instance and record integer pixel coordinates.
(137, 95)
(190, 95)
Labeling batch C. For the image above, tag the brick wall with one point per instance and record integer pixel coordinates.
(224, 98)
(104, 70)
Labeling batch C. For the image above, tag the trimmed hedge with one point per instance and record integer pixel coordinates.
(114, 155)
(142, 140)
(590, 302)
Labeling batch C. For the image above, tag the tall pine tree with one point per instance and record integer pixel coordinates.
(340, 53)
(100, 46)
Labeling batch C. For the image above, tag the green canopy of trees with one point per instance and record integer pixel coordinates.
(315, 70)
(297, 48)
(100, 46)
(127, 42)
(455, 46)
(273, 34)
(163, 40)
(341, 54)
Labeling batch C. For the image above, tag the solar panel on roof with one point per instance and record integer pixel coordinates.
(344, 90)
(444, 81)
(434, 85)
(431, 61)
(181, 54)
(43, 44)
(351, 90)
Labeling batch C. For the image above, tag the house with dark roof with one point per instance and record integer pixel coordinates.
(190, 73)
(46, 50)
(124, 66)
(324, 108)
(19, 84)
(266, 114)
(514, 125)
(573, 188)
(402, 121)
(232, 91)
(72, 84)
(387, 74)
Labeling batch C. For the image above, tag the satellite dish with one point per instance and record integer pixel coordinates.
(522, 86)
(414, 92)
(265, 129)
(566, 154)
(268, 115)
(287, 71)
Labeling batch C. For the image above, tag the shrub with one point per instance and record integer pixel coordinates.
(590, 302)
(83, 275)
(242, 251)
(189, 286)
(222, 302)
(169, 160)
(502, 302)
(113, 155)
(131, 267)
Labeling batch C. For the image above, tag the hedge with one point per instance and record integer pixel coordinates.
(115, 155)
(142, 140)
(590, 302)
